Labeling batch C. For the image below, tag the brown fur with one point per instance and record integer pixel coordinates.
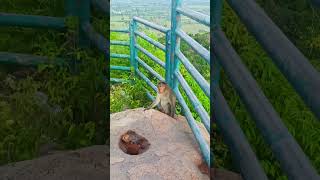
(166, 99)
(133, 143)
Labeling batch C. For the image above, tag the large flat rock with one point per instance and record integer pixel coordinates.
(173, 154)
(222, 174)
(83, 164)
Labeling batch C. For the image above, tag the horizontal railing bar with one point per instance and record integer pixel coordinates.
(117, 80)
(195, 129)
(120, 43)
(150, 24)
(120, 68)
(28, 60)
(102, 5)
(150, 40)
(147, 67)
(290, 155)
(147, 53)
(114, 55)
(120, 30)
(203, 52)
(146, 79)
(199, 17)
(292, 63)
(204, 85)
(194, 100)
(8, 19)
(95, 38)
(152, 98)
(243, 155)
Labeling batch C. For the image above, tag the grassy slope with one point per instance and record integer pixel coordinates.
(128, 96)
(296, 116)
(26, 125)
(300, 122)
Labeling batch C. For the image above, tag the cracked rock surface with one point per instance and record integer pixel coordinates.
(173, 153)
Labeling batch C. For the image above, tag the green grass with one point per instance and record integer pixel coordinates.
(300, 122)
(132, 96)
(26, 124)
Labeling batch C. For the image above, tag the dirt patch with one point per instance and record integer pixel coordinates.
(203, 167)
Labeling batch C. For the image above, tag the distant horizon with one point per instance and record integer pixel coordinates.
(197, 1)
(157, 11)
(167, 2)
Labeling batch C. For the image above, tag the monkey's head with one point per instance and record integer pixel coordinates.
(162, 86)
(129, 137)
(125, 138)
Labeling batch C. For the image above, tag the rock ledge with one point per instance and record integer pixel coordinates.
(173, 154)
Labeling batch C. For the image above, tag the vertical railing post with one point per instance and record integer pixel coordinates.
(216, 20)
(175, 42)
(133, 50)
(84, 17)
(131, 45)
(168, 62)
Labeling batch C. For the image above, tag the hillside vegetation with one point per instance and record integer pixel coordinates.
(52, 108)
(301, 24)
(127, 95)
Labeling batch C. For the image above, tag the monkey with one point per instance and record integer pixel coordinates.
(130, 137)
(132, 143)
(166, 98)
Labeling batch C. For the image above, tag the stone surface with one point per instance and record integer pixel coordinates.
(83, 164)
(222, 174)
(173, 154)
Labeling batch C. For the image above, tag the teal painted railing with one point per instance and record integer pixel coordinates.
(121, 56)
(80, 10)
(173, 58)
(293, 65)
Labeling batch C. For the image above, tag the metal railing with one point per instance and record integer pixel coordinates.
(136, 60)
(80, 10)
(173, 57)
(177, 57)
(295, 67)
(120, 56)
